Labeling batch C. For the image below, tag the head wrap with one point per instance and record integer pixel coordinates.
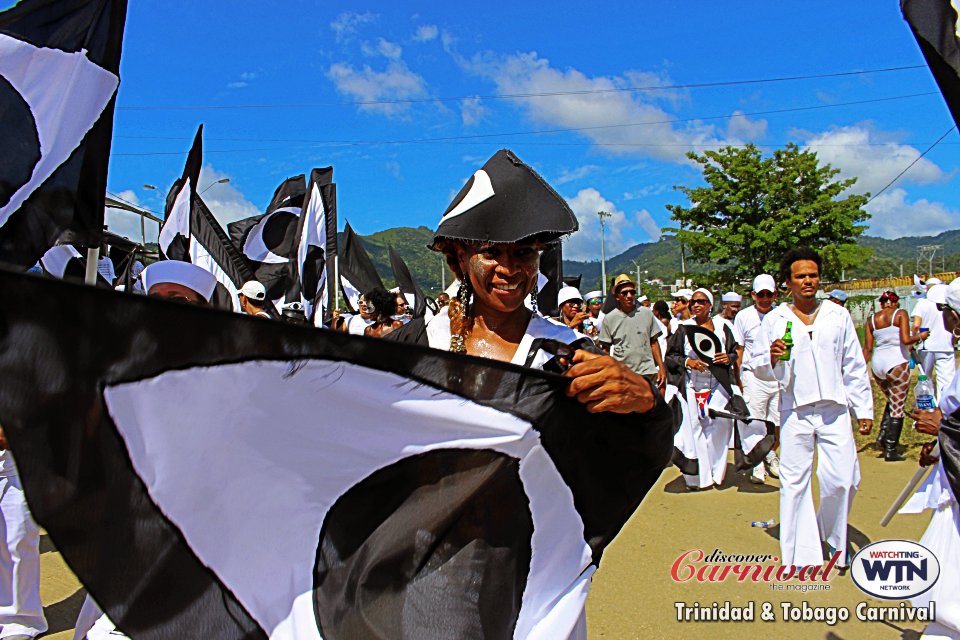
(731, 296)
(178, 272)
(506, 201)
(705, 292)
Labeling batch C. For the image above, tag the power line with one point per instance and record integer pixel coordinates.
(132, 204)
(488, 136)
(516, 96)
(915, 161)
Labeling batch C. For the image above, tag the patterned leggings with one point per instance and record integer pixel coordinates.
(894, 387)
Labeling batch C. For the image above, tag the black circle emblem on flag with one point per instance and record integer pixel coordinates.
(19, 141)
(433, 546)
(312, 269)
(280, 232)
(704, 343)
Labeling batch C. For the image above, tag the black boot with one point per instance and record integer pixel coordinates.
(884, 425)
(892, 439)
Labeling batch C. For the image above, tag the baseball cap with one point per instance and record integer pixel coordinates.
(838, 294)
(253, 290)
(937, 293)
(683, 293)
(764, 282)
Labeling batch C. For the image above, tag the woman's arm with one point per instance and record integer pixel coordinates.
(903, 323)
(868, 340)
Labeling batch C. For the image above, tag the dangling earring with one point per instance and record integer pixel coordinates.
(457, 341)
(533, 298)
(464, 294)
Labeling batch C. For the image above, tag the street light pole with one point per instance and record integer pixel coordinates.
(603, 255)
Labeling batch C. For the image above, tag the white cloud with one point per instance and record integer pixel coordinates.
(385, 48)
(240, 84)
(393, 168)
(648, 191)
(126, 223)
(576, 174)
(426, 33)
(598, 106)
(873, 157)
(472, 111)
(396, 82)
(741, 129)
(620, 231)
(346, 24)
(647, 223)
(225, 201)
(893, 216)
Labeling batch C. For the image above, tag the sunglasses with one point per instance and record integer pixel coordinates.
(595, 301)
(628, 292)
(764, 294)
(699, 301)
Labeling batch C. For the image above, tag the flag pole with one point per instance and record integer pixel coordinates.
(90, 277)
(336, 281)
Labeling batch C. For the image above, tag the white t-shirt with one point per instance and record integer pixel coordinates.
(932, 318)
(746, 330)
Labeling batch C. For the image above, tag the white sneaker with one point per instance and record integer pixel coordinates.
(757, 476)
(772, 463)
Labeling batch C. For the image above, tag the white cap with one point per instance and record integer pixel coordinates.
(596, 293)
(683, 293)
(642, 298)
(254, 290)
(937, 293)
(932, 281)
(178, 272)
(953, 295)
(731, 296)
(567, 294)
(764, 282)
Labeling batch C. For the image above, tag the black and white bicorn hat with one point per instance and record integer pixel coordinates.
(506, 201)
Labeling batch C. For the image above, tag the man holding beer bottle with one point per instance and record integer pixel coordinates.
(819, 375)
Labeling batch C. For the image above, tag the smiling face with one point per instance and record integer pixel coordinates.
(700, 306)
(501, 274)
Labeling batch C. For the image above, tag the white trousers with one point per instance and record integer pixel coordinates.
(944, 363)
(762, 396)
(827, 426)
(21, 612)
(705, 439)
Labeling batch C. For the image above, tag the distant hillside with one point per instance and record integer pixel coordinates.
(658, 259)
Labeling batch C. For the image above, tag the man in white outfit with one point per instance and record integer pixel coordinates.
(21, 612)
(937, 351)
(825, 373)
(762, 396)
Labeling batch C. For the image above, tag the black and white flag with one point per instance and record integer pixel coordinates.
(209, 475)
(551, 266)
(175, 233)
(269, 241)
(191, 233)
(66, 263)
(408, 286)
(59, 72)
(358, 275)
(934, 25)
(317, 245)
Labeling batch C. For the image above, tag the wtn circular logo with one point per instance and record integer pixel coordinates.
(895, 569)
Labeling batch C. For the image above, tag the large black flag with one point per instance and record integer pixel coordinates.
(358, 275)
(269, 241)
(934, 25)
(407, 284)
(59, 72)
(175, 233)
(317, 245)
(384, 490)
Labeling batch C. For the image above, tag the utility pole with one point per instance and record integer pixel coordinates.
(603, 255)
(683, 261)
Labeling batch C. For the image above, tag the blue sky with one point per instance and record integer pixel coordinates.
(399, 98)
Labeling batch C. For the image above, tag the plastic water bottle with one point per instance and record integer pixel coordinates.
(923, 394)
(763, 524)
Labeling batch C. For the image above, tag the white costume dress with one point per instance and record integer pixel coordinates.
(826, 373)
(21, 611)
(701, 437)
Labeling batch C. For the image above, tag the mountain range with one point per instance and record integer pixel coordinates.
(659, 259)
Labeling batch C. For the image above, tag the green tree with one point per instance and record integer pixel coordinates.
(754, 208)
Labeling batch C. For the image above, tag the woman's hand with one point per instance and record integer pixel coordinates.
(927, 422)
(925, 458)
(696, 365)
(721, 358)
(577, 319)
(603, 384)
